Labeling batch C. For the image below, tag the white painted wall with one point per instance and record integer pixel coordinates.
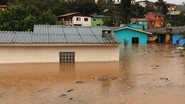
(82, 21)
(51, 54)
(143, 4)
(117, 1)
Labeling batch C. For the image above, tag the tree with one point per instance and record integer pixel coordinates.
(176, 20)
(48, 18)
(85, 6)
(23, 17)
(4, 1)
(137, 11)
(125, 10)
(161, 6)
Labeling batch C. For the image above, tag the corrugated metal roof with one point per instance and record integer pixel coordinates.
(68, 14)
(138, 30)
(175, 30)
(57, 34)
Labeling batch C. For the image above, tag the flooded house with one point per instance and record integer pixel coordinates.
(130, 35)
(56, 43)
(175, 36)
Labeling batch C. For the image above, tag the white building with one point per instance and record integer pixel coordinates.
(117, 1)
(75, 19)
(114, 1)
(55, 43)
(144, 3)
(172, 9)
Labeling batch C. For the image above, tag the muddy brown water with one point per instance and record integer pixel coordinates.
(153, 74)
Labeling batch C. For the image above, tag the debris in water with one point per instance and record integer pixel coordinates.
(63, 95)
(70, 90)
(154, 68)
(157, 65)
(41, 90)
(180, 48)
(71, 98)
(1, 95)
(181, 55)
(77, 82)
(114, 78)
(166, 79)
(100, 78)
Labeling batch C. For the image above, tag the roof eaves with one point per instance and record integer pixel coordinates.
(134, 30)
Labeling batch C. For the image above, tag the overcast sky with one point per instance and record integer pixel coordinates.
(169, 1)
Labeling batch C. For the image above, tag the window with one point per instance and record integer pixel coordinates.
(67, 57)
(78, 19)
(85, 19)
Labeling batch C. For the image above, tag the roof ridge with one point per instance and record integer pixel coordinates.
(133, 29)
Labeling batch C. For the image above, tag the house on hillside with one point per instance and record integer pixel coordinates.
(75, 19)
(155, 20)
(56, 43)
(98, 20)
(3, 7)
(145, 3)
(114, 1)
(129, 35)
(173, 9)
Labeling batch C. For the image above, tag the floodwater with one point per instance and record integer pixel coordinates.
(153, 74)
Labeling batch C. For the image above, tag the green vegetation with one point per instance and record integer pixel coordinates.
(22, 18)
(21, 15)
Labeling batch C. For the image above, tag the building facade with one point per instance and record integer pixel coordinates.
(128, 35)
(75, 19)
(155, 20)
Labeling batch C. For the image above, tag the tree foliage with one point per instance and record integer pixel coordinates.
(125, 10)
(21, 15)
(23, 18)
(161, 6)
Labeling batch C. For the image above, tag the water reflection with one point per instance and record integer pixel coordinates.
(135, 74)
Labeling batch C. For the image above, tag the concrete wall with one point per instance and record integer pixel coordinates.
(51, 54)
(126, 35)
(82, 21)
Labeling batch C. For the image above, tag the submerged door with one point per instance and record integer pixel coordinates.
(67, 57)
(135, 40)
